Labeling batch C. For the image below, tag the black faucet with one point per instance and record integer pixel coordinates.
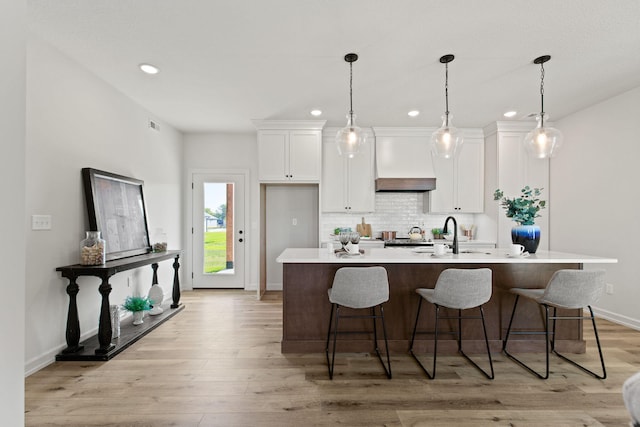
(455, 232)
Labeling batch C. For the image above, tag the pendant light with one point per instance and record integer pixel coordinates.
(542, 142)
(446, 141)
(351, 137)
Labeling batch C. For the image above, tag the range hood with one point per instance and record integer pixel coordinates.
(403, 160)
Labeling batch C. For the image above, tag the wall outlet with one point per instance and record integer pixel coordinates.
(609, 288)
(294, 221)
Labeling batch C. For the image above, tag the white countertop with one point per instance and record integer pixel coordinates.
(412, 255)
(446, 242)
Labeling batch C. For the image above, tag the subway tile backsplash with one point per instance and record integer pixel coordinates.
(394, 212)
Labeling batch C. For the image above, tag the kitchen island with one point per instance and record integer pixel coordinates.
(308, 273)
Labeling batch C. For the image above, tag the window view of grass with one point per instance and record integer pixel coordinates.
(215, 251)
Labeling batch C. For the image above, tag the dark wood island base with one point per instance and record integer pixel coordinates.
(306, 309)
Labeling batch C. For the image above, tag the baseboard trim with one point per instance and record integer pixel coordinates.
(617, 318)
(39, 362)
(274, 286)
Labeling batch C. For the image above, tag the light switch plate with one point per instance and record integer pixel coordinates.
(41, 222)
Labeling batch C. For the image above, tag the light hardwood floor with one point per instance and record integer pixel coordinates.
(218, 363)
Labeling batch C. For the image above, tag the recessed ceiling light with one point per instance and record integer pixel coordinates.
(316, 113)
(413, 113)
(149, 69)
(510, 114)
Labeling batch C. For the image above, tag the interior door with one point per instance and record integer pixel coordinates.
(218, 230)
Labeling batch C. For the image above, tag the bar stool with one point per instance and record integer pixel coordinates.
(359, 288)
(571, 289)
(459, 289)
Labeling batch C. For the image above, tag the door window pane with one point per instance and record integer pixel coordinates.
(218, 228)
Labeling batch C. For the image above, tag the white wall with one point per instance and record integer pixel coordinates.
(76, 120)
(218, 153)
(12, 216)
(595, 197)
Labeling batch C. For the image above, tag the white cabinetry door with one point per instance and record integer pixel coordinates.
(347, 184)
(470, 177)
(334, 184)
(289, 156)
(304, 156)
(442, 199)
(273, 155)
(460, 182)
(361, 183)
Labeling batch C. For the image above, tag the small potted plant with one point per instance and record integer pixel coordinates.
(523, 210)
(437, 233)
(137, 306)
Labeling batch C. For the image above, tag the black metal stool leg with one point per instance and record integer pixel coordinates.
(486, 340)
(387, 367)
(335, 342)
(506, 340)
(415, 328)
(550, 342)
(326, 350)
(435, 347)
(595, 331)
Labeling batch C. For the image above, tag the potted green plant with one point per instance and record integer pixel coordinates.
(137, 306)
(437, 233)
(523, 210)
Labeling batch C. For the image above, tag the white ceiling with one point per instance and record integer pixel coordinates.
(224, 63)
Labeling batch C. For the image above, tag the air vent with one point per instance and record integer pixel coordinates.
(153, 125)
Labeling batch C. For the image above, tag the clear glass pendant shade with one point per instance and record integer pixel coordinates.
(446, 141)
(543, 141)
(350, 138)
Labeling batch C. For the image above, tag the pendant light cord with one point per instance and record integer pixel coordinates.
(446, 93)
(351, 93)
(541, 95)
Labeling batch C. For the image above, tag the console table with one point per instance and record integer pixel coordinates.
(106, 349)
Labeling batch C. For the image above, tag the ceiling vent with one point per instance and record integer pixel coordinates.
(154, 125)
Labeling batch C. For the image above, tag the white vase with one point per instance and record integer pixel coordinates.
(156, 296)
(137, 317)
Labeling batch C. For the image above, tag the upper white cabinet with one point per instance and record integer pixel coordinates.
(510, 168)
(347, 184)
(289, 151)
(460, 181)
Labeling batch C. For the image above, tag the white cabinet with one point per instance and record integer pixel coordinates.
(347, 184)
(510, 168)
(289, 151)
(460, 182)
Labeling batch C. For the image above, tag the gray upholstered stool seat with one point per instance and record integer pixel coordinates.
(460, 289)
(631, 395)
(569, 289)
(358, 288)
